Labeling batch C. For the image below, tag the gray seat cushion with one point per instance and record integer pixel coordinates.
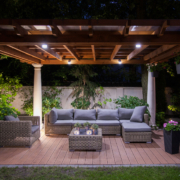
(138, 114)
(34, 129)
(136, 127)
(125, 113)
(124, 121)
(63, 122)
(11, 118)
(53, 116)
(83, 121)
(81, 114)
(107, 123)
(107, 114)
(65, 114)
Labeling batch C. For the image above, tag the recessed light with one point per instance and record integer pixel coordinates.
(138, 45)
(120, 61)
(69, 62)
(44, 46)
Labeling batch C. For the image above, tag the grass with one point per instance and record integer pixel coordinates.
(69, 173)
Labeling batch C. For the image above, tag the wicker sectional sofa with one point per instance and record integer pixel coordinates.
(61, 121)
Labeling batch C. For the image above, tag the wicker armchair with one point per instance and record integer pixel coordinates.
(20, 133)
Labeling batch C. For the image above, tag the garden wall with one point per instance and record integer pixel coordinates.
(110, 92)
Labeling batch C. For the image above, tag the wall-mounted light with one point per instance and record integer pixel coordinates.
(119, 61)
(44, 46)
(69, 62)
(138, 45)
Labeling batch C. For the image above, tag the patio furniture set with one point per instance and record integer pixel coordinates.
(132, 124)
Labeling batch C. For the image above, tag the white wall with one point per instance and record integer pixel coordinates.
(110, 92)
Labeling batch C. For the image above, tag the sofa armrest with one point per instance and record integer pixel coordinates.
(146, 119)
(34, 119)
(17, 128)
(46, 118)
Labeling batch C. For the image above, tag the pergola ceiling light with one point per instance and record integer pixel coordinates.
(120, 61)
(138, 45)
(69, 62)
(44, 46)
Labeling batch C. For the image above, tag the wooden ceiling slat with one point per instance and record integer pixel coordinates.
(115, 51)
(136, 51)
(20, 31)
(93, 52)
(158, 51)
(72, 52)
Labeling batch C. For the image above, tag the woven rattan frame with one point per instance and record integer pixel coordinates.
(110, 129)
(18, 133)
(53, 129)
(85, 142)
(136, 136)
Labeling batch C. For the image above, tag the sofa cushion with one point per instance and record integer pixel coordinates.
(34, 129)
(65, 114)
(11, 118)
(125, 113)
(138, 114)
(53, 116)
(63, 122)
(124, 121)
(136, 127)
(80, 114)
(107, 123)
(83, 121)
(107, 114)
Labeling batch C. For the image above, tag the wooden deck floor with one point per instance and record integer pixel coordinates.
(53, 150)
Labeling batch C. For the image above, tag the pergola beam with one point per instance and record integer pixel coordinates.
(171, 53)
(158, 51)
(93, 52)
(115, 51)
(50, 52)
(136, 52)
(20, 31)
(28, 52)
(90, 31)
(71, 51)
(11, 52)
(110, 40)
(126, 29)
(162, 28)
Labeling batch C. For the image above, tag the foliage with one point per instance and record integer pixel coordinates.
(8, 90)
(50, 99)
(172, 127)
(94, 126)
(177, 58)
(160, 118)
(130, 103)
(3, 57)
(161, 66)
(5, 107)
(81, 103)
(77, 125)
(175, 99)
(86, 124)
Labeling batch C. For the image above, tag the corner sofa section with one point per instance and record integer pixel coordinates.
(61, 121)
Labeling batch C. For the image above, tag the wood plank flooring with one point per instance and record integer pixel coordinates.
(54, 149)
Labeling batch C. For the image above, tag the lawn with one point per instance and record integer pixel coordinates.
(68, 173)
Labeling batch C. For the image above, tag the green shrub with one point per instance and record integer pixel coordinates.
(130, 103)
(81, 103)
(49, 100)
(160, 119)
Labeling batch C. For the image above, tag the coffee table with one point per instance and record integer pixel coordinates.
(85, 142)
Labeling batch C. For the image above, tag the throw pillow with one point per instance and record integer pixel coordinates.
(125, 113)
(107, 114)
(53, 116)
(64, 114)
(138, 114)
(11, 118)
(81, 114)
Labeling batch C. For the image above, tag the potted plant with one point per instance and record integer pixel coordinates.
(154, 69)
(77, 126)
(95, 128)
(171, 137)
(177, 62)
(86, 125)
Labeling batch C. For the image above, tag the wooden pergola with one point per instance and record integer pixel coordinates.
(57, 42)
(89, 41)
